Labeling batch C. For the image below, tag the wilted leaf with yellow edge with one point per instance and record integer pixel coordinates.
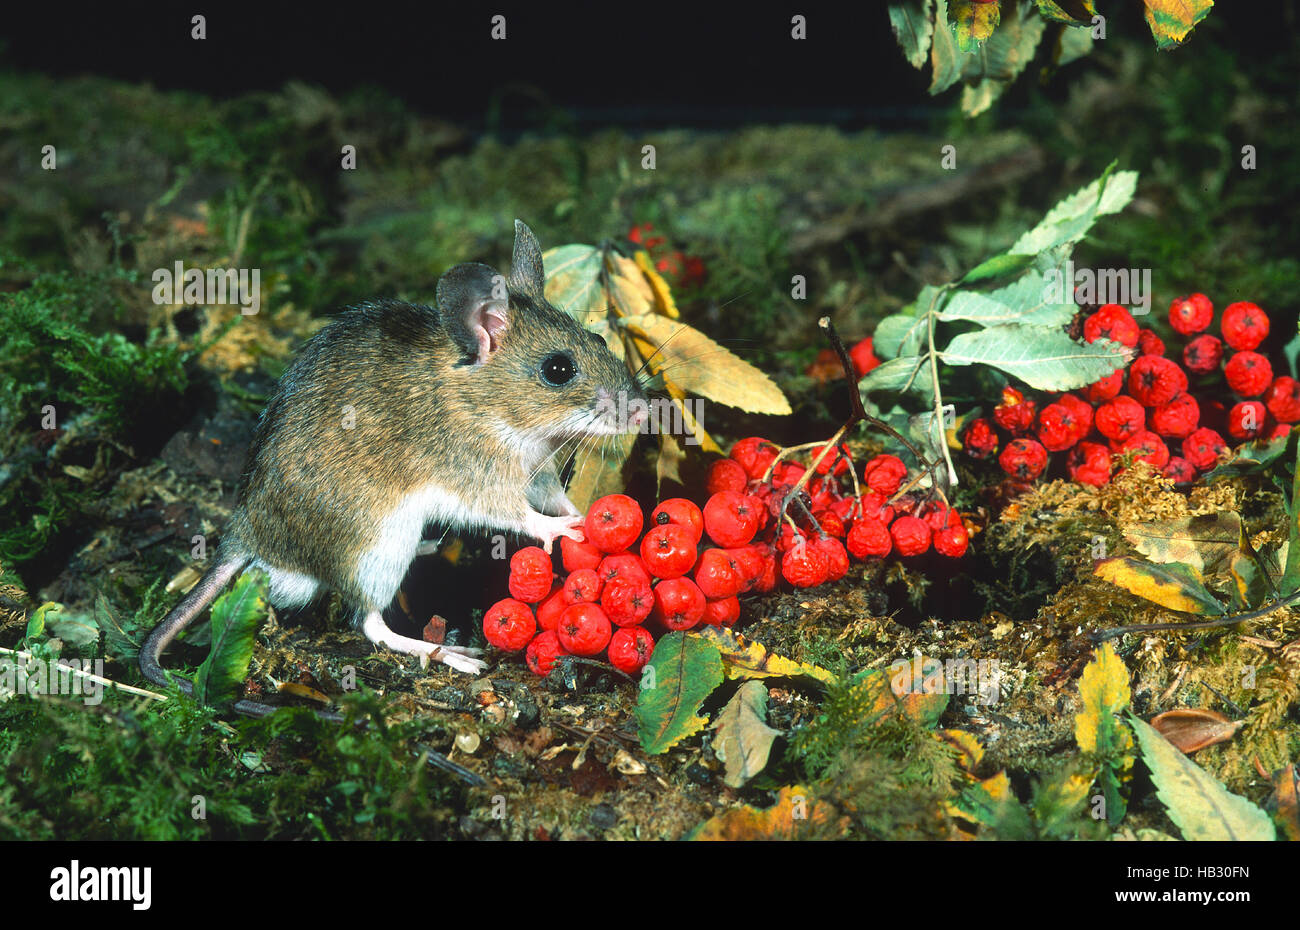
(744, 658)
(1196, 802)
(794, 812)
(744, 739)
(698, 365)
(1103, 693)
(1172, 20)
(1175, 586)
(974, 22)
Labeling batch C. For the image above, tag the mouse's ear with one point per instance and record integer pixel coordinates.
(526, 273)
(474, 307)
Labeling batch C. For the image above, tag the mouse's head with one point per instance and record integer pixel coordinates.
(528, 365)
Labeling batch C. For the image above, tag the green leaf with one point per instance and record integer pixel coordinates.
(1027, 301)
(1172, 20)
(1043, 357)
(36, 622)
(1072, 44)
(973, 23)
(1174, 586)
(896, 375)
(945, 56)
(899, 334)
(236, 617)
(1001, 59)
(744, 739)
(1196, 802)
(999, 266)
(573, 281)
(682, 673)
(1068, 221)
(1291, 574)
(1080, 12)
(1251, 458)
(913, 25)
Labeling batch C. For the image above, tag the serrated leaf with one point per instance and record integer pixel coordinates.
(1070, 220)
(1174, 586)
(1205, 542)
(1025, 301)
(1082, 11)
(898, 334)
(744, 658)
(573, 281)
(897, 374)
(698, 365)
(973, 23)
(793, 814)
(237, 615)
(664, 302)
(1103, 694)
(1043, 357)
(1196, 802)
(913, 25)
(687, 669)
(1172, 20)
(744, 739)
(1001, 59)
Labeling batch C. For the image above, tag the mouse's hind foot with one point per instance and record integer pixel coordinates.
(461, 658)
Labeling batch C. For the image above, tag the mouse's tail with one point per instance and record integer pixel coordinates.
(181, 616)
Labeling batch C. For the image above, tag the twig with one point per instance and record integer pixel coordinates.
(129, 689)
(1100, 636)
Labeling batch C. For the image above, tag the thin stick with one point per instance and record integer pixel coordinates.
(129, 689)
(1100, 636)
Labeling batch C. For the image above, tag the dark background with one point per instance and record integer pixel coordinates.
(631, 64)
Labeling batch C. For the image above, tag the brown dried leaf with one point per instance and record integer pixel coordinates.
(1194, 728)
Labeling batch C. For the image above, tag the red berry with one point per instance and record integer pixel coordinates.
(1058, 429)
(1154, 380)
(864, 357)
(1111, 322)
(549, 610)
(543, 651)
(731, 518)
(1244, 325)
(530, 575)
(582, 587)
(584, 629)
(1150, 344)
(668, 550)
(623, 566)
(804, 566)
(1246, 419)
(719, 574)
(681, 511)
(679, 603)
(980, 441)
(613, 523)
(754, 455)
(1283, 399)
(1015, 414)
(840, 459)
(910, 534)
(869, 537)
(630, 648)
(722, 612)
(726, 475)
(939, 516)
(872, 504)
(1120, 418)
(1191, 314)
(1176, 419)
(1082, 412)
(1249, 373)
(952, 541)
(1179, 470)
(1277, 432)
(749, 561)
(1149, 447)
(1203, 448)
(1106, 389)
(575, 555)
(509, 624)
(1203, 354)
(837, 559)
(1089, 463)
(830, 522)
(884, 473)
(1022, 458)
(627, 603)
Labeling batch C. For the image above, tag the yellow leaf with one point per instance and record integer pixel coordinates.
(1103, 693)
(970, 752)
(1175, 586)
(789, 818)
(599, 473)
(668, 464)
(698, 365)
(631, 292)
(1172, 20)
(743, 658)
(663, 294)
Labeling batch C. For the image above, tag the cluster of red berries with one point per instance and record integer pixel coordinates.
(1161, 406)
(683, 270)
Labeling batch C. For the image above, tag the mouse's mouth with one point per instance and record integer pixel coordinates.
(616, 413)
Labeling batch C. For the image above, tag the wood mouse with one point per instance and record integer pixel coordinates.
(395, 416)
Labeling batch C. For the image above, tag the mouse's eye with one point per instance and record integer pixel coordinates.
(558, 369)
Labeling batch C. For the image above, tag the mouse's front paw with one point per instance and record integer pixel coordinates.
(548, 529)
